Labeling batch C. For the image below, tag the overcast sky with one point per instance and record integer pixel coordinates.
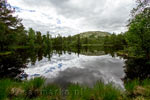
(69, 17)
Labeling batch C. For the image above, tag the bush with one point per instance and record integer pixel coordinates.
(32, 87)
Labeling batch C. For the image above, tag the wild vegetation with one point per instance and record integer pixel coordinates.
(35, 89)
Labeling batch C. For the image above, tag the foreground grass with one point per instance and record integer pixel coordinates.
(138, 89)
(35, 89)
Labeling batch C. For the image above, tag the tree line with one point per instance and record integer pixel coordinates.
(13, 34)
(136, 40)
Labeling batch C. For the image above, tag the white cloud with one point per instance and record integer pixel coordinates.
(73, 16)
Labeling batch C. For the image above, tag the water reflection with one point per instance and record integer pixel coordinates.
(11, 66)
(83, 69)
(84, 65)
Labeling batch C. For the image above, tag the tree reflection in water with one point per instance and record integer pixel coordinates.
(11, 66)
(137, 68)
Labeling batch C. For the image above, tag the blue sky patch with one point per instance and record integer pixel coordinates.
(18, 9)
(60, 65)
(58, 21)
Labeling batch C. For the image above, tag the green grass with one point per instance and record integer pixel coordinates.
(138, 89)
(146, 82)
(74, 92)
(35, 89)
(106, 92)
(122, 53)
(18, 47)
(4, 85)
(130, 86)
(5, 53)
(98, 92)
(51, 91)
(92, 45)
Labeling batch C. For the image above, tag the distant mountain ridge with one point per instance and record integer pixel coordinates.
(94, 34)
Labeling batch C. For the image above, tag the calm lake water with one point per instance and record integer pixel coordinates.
(74, 68)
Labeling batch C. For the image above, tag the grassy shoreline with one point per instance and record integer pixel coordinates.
(5, 53)
(35, 89)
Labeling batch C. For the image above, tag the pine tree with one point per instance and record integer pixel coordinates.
(10, 26)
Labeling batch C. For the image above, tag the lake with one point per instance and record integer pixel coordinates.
(85, 68)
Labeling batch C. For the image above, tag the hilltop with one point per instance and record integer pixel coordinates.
(94, 34)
